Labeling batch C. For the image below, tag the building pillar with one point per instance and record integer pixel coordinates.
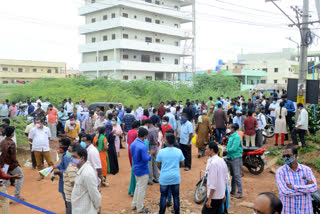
(246, 80)
(165, 76)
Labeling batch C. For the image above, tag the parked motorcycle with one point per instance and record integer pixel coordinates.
(201, 188)
(315, 197)
(269, 128)
(253, 158)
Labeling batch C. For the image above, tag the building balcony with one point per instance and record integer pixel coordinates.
(139, 5)
(135, 45)
(184, 3)
(134, 24)
(131, 65)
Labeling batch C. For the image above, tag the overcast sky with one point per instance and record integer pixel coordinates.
(47, 30)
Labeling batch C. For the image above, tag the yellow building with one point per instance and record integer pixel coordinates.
(23, 71)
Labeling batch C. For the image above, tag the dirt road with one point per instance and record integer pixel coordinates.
(115, 199)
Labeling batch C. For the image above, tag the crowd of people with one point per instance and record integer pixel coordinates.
(159, 143)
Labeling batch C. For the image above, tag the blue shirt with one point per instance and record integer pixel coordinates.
(170, 159)
(140, 158)
(155, 119)
(218, 102)
(62, 166)
(120, 115)
(30, 110)
(289, 106)
(128, 119)
(186, 130)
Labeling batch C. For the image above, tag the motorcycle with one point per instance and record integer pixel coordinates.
(201, 188)
(269, 128)
(253, 158)
(315, 197)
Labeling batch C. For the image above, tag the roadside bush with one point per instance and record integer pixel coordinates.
(20, 123)
(309, 148)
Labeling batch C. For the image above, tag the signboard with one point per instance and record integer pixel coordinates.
(300, 99)
(236, 71)
(312, 91)
(292, 89)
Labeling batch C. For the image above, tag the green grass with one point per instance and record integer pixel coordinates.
(274, 152)
(310, 148)
(20, 123)
(316, 164)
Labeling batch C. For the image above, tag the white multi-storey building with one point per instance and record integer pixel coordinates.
(136, 39)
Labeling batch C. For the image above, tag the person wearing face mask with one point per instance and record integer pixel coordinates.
(62, 166)
(301, 126)
(165, 124)
(185, 140)
(69, 176)
(84, 117)
(8, 156)
(112, 154)
(139, 113)
(261, 119)
(89, 124)
(273, 106)
(161, 110)
(72, 130)
(231, 113)
(296, 183)
(280, 124)
(100, 122)
(140, 159)
(39, 137)
(85, 197)
(267, 203)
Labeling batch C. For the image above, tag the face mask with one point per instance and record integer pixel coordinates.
(75, 162)
(274, 102)
(183, 120)
(38, 125)
(68, 154)
(113, 122)
(83, 144)
(164, 123)
(289, 161)
(85, 109)
(71, 122)
(231, 106)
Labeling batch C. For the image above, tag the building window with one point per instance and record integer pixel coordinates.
(134, 77)
(176, 43)
(176, 25)
(20, 70)
(275, 81)
(176, 7)
(93, 1)
(125, 56)
(27, 69)
(105, 38)
(125, 15)
(93, 39)
(157, 40)
(56, 70)
(125, 78)
(263, 81)
(113, 36)
(145, 58)
(105, 58)
(113, 15)
(148, 77)
(5, 82)
(105, 17)
(149, 39)
(149, 1)
(148, 19)
(12, 69)
(276, 70)
(157, 59)
(176, 61)
(125, 36)
(93, 20)
(157, 21)
(135, 17)
(134, 57)
(5, 69)
(49, 71)
(34, 70)
(157, 2)
(265, 69)
(135, 37)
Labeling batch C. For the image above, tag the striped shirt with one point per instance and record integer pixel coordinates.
(298, 199)
(69, 177)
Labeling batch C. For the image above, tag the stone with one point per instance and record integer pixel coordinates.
(245, 204)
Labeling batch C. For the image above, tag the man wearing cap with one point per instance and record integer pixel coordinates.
(238, 119)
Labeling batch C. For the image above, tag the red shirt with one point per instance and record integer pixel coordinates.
(250, 124)
(165, 128)
(161, 112)
(131, 136)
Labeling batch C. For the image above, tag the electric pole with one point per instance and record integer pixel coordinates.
(303, 60)
(194, 41)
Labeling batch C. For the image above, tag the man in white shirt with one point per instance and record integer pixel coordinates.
(85, 197)
(217, 172)
(93, 157)
(40, 137)
(272, 107)
(69, 107)
(4, 110)
(39, 100)
(301, 126)
(261, 119)
(226, 104)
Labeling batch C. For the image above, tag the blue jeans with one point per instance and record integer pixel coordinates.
(164, 189)
(221, 133)
(273, 121)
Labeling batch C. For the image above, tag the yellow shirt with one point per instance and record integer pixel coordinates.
(73, 133)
